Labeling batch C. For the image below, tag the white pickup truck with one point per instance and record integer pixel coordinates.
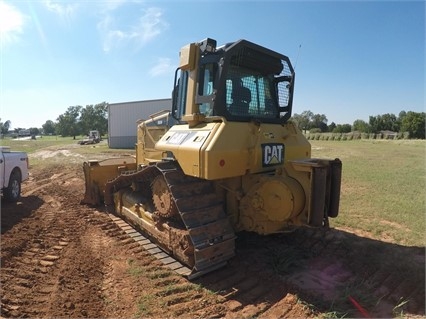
(13, 171)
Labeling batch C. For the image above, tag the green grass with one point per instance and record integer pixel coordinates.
(144, 306)
(383, 187)
(134, 270)
(47, 142)
(58, 147)
(30, 146)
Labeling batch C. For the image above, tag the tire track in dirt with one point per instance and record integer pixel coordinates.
(35, 248)
(27, 268)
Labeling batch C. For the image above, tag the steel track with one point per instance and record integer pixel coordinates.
(200, 211)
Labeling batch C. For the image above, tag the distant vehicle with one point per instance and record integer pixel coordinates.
(13, 171)
(24, 133)
(92, 138)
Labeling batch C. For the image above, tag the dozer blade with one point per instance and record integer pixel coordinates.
(98, 173)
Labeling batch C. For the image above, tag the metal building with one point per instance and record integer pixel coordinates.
(123, 118)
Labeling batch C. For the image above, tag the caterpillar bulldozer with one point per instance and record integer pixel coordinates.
(225, 159)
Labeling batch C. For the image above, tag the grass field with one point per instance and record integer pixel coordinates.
(383, 187)
(51, 143)
(30, 146)
(383, 182)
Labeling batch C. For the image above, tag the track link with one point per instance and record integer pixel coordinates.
(200, 210)
(151, 247)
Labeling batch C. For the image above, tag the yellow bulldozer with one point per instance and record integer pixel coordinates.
(226, 158)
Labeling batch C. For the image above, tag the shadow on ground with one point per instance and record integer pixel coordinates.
(13, 213)
(331, 271)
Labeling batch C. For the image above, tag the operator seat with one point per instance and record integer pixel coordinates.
(241, 98)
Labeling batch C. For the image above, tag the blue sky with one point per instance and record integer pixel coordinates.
(356, 59)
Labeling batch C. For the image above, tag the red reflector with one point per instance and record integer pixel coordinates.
(222, 163)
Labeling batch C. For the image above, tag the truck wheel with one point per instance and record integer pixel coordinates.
(13, 192)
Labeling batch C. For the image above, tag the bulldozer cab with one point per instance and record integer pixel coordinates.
(240, 81)
(232, 103)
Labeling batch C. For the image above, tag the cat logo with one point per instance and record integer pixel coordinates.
(272, 154)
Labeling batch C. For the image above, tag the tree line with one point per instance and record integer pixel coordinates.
(77, 120)
(412, 122)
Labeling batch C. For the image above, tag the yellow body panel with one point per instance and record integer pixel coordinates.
(263, 172)
(227, 149)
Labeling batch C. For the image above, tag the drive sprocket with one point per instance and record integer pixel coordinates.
(162, 198)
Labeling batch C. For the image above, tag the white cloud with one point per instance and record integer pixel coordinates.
(150, 25)
(141, 31)
(11, 23)
(61, 9)
(163, 66)
(112, 5)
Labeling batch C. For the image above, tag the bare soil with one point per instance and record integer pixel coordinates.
(63, 259)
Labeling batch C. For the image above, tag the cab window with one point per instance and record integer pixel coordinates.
(206, 86)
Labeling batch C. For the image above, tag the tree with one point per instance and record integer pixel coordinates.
(361, 126)
(296, 118)
(384, 122)
(319, 121)
(34, 131)
(308, 120)
(303, 120)
(390, 122)
(49, 127)
(77, 120)
(414, 123)
(95, 118)
(4, 127)
(343, 128)
(401, 115)
(68, 123)
(331, 127)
